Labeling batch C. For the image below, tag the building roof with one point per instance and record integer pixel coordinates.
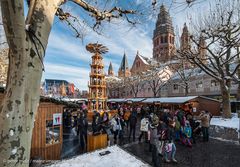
(56, 81)
(127, 100)
(116, 100)
(176, 100)
(145, 60)
(110, 68)
(124, 63)
(112, 78)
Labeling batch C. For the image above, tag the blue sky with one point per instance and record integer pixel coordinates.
(66, 56)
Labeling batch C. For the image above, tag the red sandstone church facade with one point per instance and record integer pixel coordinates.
(164, 52)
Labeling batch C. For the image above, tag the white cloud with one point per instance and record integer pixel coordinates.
(77, 75)
(117, 37)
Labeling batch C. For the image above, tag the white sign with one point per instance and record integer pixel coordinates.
(194, 109)
(57, 119)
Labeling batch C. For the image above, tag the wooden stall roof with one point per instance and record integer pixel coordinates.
(59, 101)
(177, 100)
(169, 100)
(126, 100)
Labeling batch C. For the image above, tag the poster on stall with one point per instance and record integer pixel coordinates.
(57, 119)
(194, 109)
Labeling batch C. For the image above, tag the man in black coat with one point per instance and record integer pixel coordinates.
(82, 130)
(133, 123)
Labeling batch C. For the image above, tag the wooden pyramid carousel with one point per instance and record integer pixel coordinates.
(97, 97)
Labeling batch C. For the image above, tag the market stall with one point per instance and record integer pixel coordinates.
(193, 104)
(47, 132)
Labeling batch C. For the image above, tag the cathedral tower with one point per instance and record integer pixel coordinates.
(110, 70)
(185, 39)
(202, 52)
(163, 37)
(124, 70)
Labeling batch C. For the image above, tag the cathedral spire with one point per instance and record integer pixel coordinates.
(110, 70)
(124, 70)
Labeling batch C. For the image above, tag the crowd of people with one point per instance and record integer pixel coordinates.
(160, 129)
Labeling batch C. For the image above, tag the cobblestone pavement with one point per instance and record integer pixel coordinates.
(212, 154)
(215, 153)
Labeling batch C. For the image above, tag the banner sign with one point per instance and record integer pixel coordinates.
(57, 119)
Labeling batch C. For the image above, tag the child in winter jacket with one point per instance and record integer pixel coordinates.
(187, 135)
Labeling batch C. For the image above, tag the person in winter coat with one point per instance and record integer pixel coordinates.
(144, 127)
(177, 129)
(195, 128)
(170, 147)
(127, 114)
(205, 123)
(105, 125)
(115, 123)
(74, 125)
(154, 137)
(133, 123)
(187, 135)
(82, 130)
(166, 116)
(96, 123)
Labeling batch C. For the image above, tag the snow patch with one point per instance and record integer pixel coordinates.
(14, 151)
(225, 140)
(228, 123)
(117, 158)
(11, 133)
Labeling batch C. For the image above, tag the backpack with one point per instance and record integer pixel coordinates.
(188, 131)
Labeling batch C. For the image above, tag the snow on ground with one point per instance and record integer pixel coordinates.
(229, 123)
(117, 158)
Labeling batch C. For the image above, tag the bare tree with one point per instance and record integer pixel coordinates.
(220, 29)
(183, 73)
(27, 40)
(133, 83)
(238, 74)
(157, 77)
(113, 86)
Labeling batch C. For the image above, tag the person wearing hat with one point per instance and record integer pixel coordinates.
(154, 137)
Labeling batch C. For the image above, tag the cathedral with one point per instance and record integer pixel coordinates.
(165, 55)
(164, 49)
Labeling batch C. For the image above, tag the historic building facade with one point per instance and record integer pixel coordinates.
(164, 53)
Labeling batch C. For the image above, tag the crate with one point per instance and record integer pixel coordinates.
(96, 142)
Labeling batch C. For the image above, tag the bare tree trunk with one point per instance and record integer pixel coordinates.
(154, 94)
(225, 90)
(186, 90)
(21, 99)
(238, 74)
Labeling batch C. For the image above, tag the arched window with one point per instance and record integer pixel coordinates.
(162, 40)
(166, 39)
